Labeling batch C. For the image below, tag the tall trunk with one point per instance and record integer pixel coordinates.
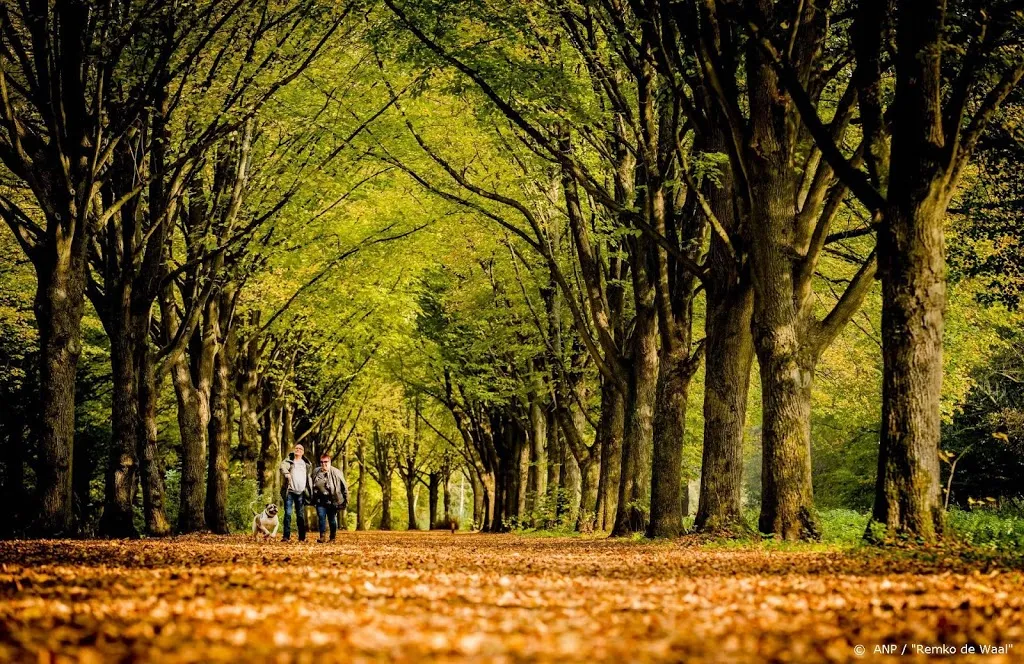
(270, 452)
(674, 374)
(433, 488)
(385, 503)
(554, 469)
(446, 491)
(538, 471)
(361, 491)
(496, 484)
(913, 268)
(787, 496)
(589, 472)
(635, 478)
(220, 445)
(192, 422)
(479, 501)
(780, 328)
(610, 433)
(247, 391)
(59, 304)
(908, 494)
(488, 494)
(729, 353)
(122, 466)
(288, 428)
(571, 485)
(522, 474)
(151, 465)
(578, 460)
(410, 499)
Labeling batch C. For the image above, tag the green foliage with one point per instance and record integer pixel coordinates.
(986, 436)
(989, 529)
(243, 500)
(550, 514)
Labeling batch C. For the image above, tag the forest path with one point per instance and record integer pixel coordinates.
(413, 596)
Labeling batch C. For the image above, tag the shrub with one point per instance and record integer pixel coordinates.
(991, 529)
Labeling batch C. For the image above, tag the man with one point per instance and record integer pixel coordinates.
(294, 490)
(330, 495)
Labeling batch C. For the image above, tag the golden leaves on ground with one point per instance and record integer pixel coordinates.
(416, 596)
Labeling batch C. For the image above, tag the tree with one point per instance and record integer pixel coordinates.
(63, 119)
(382, 468)
(939, 111)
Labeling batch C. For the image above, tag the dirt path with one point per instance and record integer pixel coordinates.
(416, 596)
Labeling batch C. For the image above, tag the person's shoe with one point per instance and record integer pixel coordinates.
(321, 540)
(332, 539)
(286, 539)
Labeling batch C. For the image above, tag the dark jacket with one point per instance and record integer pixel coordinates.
(286, 472)
(329, 487)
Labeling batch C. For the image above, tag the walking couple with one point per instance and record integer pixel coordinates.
(323, 487)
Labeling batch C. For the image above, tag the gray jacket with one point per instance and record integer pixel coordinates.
(286, 471)
(329, 487)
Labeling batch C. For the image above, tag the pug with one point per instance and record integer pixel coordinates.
(264, 520)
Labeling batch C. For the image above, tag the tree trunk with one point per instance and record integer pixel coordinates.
(479, 501)
(913, 271)
(908, 494)
(490, 497)
(538, 471)
(635, 478)
(192, 422)
(729, 353)
(433, 488)
(247, 390)
(674, 374)
(496, 489)
(589, 472)
(361, 491)
(610, 433)
(572, 481)
(410, 499)
(151, 464)
(787, 496)
(385, 503)
(58, 307)
(220, 445)
(522, 475)
(556, 452)
(270, 451)
(288, 430)
(446, 491)
(122, 467)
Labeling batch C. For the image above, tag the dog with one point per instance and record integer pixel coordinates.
(263, 521)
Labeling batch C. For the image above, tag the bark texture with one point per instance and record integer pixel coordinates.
(635, 477)
(58, 307)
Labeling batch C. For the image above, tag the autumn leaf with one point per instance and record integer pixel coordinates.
(435, 596)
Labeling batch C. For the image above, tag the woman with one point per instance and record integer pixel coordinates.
(330, 495)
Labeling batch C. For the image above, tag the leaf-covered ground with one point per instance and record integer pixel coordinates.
(419, 596)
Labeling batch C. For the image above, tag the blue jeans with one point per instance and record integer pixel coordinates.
(327, 514)
(296, 502)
